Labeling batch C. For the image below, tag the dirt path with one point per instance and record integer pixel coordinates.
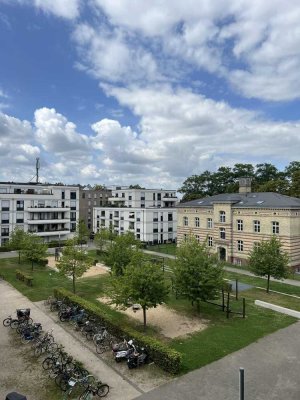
(14, 375)
(98, 269)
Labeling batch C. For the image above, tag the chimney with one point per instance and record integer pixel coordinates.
(244, 185)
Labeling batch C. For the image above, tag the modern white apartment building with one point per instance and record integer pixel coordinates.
(49, 211)
(149, 213)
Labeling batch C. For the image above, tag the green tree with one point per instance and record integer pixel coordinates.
(73, 261)
(17, 241)
(198, 274)
(102, 237)
(142, 283)
(295, 184)
(121, 252)
(268, 259)
(82, 233)
(34, 249)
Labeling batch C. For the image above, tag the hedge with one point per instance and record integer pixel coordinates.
(24, 277)
(165, 357)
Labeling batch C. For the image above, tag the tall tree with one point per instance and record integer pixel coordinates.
(73, 261)
(101, 238)
(269, 260)
(121, 252)
(198, 274)
(295, 184)
(265, 172)
(82, 233)
(17, 241)
(143, 284)
(34, 249)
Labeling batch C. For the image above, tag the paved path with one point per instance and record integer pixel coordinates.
(292, 282)
(10, 299)
(272, 372)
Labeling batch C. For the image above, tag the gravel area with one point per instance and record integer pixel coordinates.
(20, 372)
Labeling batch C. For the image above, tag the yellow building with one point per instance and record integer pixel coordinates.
(233, 223)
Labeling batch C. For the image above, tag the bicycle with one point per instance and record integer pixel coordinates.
(72, 382)
(100, 389)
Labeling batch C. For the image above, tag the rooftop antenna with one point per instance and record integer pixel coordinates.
(37, 166)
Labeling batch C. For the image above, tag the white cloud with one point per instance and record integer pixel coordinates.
(56, 134)
(69, 9)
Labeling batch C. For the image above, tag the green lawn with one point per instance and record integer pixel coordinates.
(169, 248)
(222, 336)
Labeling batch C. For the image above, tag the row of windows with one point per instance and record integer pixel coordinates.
(239, 243)
(240, 224)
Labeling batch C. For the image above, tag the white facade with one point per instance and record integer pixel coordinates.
(49, 211)
(149, 214)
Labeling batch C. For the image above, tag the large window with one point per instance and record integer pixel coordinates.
(73, 195)
(185, 221)
(222, 215)
(5, 218)
(275, 227)
(5, 205)
(210, 241)
(256, 226)
(209, 223)
(197, 238)
(20, 205)
(240, 245)
(222, 233)
(240, 225)
(197, 222)
(5, 231)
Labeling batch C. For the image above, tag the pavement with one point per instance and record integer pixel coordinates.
(272, 372)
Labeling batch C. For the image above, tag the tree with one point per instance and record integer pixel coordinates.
(99, 187)
(268, 259)
(34, 249)
(17, 241)
(295, 184)
(198, 274)
(142, 283)
(82, 232)
(121, 252)
(102, 237)
(73, 261)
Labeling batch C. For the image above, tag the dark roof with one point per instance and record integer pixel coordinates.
(246, 200)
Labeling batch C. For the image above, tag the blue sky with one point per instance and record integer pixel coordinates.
(148, 92)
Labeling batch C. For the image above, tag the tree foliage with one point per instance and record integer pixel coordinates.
(17, 241)
(82, 233)
(198, 275)
(34, 249)
(265, 178)
(121, 252)
(102, 237)
(73, 262)
(268, 259)
(142, 283)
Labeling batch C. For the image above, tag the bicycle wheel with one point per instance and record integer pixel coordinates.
(14, 323)
(103, 390)
(52, 347)
(85, 395)
(6, 322)
(102, 348)
(47, 363)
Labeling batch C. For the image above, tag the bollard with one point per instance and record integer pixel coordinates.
(242, 384)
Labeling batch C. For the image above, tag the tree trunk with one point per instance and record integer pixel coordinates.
(268, 284)
(32, 265)
(73, 283)
(144, 315)
(19, 257)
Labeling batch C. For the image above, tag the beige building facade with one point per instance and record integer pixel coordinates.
(234, 223)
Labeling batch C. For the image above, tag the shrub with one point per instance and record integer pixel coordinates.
(165, 357)
(21, 276)
(43, 263)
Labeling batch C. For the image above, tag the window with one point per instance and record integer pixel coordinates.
(210, 241)
(275, 227)
(95, 195)
(209, 223)
(20, 218)
(197, 222)
(73, 216)
(153, 196)
(95, 202)
(222, 215)
(197, 238)
(256, 226)
(159, 196)
(222, 233)
(20, 205)
(63, 195)
(240, 226)
(185, 221)
(240, 245)
(155, 216)
(256, 245)
(73, 204)
(5, 205)
(83, 196)
(170, 217)
(5, 218)
(5, 231)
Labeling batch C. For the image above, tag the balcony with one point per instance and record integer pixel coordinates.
(50, 232)
(47, 208)
(169, 198)
(114, 199)
(47, 221)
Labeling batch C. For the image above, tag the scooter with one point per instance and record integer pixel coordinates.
(137, 358)
(124, 354)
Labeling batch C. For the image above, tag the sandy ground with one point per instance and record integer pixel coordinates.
(97, 269)
(170, 323)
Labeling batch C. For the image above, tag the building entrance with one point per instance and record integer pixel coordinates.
(222, 253)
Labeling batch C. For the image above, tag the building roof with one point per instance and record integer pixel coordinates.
(246, 200)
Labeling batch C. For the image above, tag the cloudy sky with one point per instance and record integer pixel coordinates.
(146, 91)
